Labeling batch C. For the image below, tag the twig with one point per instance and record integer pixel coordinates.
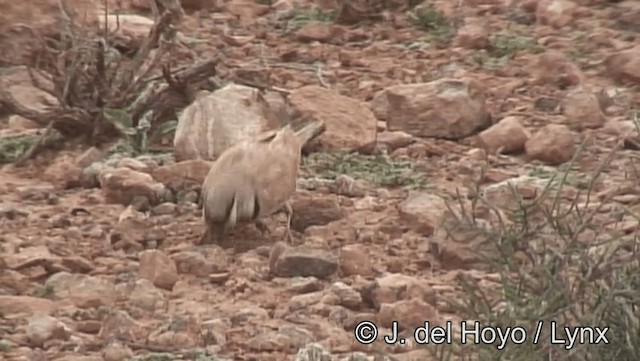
(320, 78)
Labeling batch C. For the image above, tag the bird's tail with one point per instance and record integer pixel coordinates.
(310, 130)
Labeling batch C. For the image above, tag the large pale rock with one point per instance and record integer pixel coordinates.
(218, 120)
(445, 108)
(350, 124)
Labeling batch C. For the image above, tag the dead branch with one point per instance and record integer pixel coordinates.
(178, 92)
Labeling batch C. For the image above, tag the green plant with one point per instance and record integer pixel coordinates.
(5, 346)
(428, 18)
(44, 292)
(303, 15)
(381, 169)
(507, 45)
(556, 260)
(138, 136)
(13, 148)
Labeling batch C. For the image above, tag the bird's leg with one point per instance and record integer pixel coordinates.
(288, 210)
(206, 235)
(213, 233)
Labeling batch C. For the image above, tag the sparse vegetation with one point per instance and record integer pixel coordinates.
(507, 45)
(305, 14)
(556, 261)
(5, 346)
(504, 46)
(381, 170)
(426, 17)
(43, 292)
(13, 148)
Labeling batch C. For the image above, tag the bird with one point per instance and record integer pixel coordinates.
(254, 179)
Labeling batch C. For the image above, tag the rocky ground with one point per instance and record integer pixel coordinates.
(466, 100)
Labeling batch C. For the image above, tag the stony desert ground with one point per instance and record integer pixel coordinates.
(468, 145)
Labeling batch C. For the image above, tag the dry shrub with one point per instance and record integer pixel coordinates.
(108, 85)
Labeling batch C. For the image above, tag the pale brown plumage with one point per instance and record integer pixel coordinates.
(252, 180)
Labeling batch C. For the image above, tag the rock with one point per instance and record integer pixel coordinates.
(158, 268)
(473, 35)
(89, 157)
(11, 305)
(313, 352)
(355, 260)
(201, 265)
(552, 144)
(42, 328)
(285, 338)
(122, 185)
(130, 26)
(299, 285)
(31, 257)
(40, 17)
(164, 209)
(119, 323)
(582, 110)
(460, 255)
(246, 10)
(133, 164)
(390, 141)
(507, 193)
(19, 122)
(64, 172)
(304, 263)
(350, 124)
(347, 296)
(11, 211)
(394, 287)
(216, 121)
(318, 31)
(423, 212)
(17, 82)
(314, 211)
(344, 185)
(446, 108)
(508, 136)
(624, 66)
(380, 106)
(116, 351)
(554, 68)
(146, 296)
(186, 175)
(83, 291)
(556, 13)
(409, 314)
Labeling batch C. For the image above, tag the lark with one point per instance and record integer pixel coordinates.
(254, 179)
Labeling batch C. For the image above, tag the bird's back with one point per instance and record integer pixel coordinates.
(260, 175)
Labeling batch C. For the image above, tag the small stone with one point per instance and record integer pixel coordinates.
(158, 268)
(552, 144)
(355, 260)
(42, 328)
(508, 135)
(423, 212)
(305, 263)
